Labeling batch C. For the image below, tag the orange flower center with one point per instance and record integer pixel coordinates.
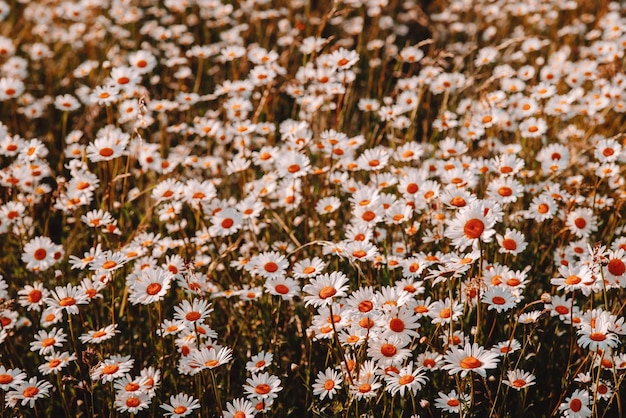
(30, 392)
(572, 280)
(327, 292)
(366, 323)
(396, 325)
(412, 188)
(470, 362)
(99, 334)
(445, 313)
(580, 223)
(131, 387)
(365, 306)
(48, 342)
(54, 363)
(597, 336)
(498, 300)
(562, 310)
(40, 254)
(575, 405)
(293, 168)
(153, 288)
(281, 289)
(193, 316)
(453, 402)
(110, 369)
(509, 244)
(616, 267)
(368, 216)
(211, 363)
(406, 379)
(505, 191)
(5, 379)
(68, 301)
(227, 223)
(181, 410)
(473, 228)
(270, 267)
(106, 152)
(388, 350)
(308, 270)
(262, 389)
(365, 387)
(34, 296)
(109, 264)
(132, 402)
(359, 254)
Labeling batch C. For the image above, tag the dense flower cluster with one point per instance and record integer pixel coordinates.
(236, 209)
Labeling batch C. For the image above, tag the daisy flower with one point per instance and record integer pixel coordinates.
(262, 386)
(99, 335)
(321, 290)
(470, 226)
(403, 324)
(226, 222)
(498, 298)
(582, 222)
(112, 368)
(285, 287)
(506, 347)
(239, 408)
(33, 296)
(444, 311)
(29, 391)
(596, 334)
(366, 387)
(407, 379)
(573, 277)
(429, 360)
(259, 362)
(388, 351)
(132, 402)
(66, 298)
(577, 405)
(452, 402)
(55, 362)
(327, 383)
(192, 312)
(469, 358)
(11, 378)
(150, 286)
(512, 242)
(40, 253)
(519, 379)
(209, 358)
(308, 268)
(46, 341)
(268, 265)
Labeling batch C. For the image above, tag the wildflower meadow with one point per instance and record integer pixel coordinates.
(333, 208)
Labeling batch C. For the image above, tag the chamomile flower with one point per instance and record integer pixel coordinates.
(262, 386)
(327, 383)
(519, 379)
(239, 408)
(324, 288)
(577, 405)
(28, 391)
(259, 362)
(46, 341)
(406, 379)
(470, 358)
